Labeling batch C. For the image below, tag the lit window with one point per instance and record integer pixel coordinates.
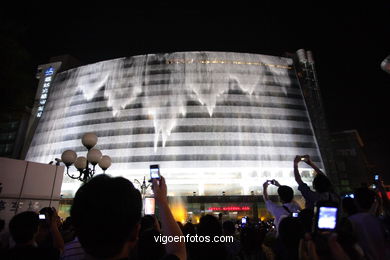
(42, 101)
(45, 90)
(40, 108)
(46, 85)
(47, 79)
(43, 96)
(39, 114)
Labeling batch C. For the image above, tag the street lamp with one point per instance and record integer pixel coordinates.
(143, 187)
(94, 156)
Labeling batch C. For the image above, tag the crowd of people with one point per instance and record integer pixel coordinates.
(106, 222)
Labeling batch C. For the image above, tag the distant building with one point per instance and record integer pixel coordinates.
(13, 126)
(17, 126)
(307, 76)
(351, 162)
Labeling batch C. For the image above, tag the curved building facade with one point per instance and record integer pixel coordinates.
(213, 121)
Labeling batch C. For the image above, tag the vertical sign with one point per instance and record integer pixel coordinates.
(45, 90)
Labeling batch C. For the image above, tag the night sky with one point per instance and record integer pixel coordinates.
(348, 42)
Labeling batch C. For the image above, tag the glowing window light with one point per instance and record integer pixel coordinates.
(229, 208)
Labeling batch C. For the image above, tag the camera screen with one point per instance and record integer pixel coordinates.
(42, 216)
(243, 220)
(154, 173)
(327, 218)
(149, 206)
(295, 214)
(376, 177)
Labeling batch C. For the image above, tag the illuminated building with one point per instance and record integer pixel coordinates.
(214, 121)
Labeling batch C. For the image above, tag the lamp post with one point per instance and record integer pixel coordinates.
(143, 187)
(94, 156)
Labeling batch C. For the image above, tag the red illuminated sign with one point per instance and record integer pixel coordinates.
(229, 208)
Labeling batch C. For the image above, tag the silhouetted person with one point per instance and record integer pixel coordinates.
(349, 206)
(232, 247)
(23, 229)
(321, 184)
(291, 231)
(286, 195)
(49, 234)
(106, 212)
(369, 229)
(209, 226)
(251, 239)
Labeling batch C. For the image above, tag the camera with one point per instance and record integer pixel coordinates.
(155, 171)
(326, 216)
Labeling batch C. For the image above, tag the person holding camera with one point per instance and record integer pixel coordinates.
(49, 235)
(106, 212)
(24, 228)
(321, 184)
(286, 195)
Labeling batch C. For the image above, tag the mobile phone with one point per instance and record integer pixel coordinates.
(351, 195)
(243, 222)
(295, 214)
(326, 216)
(149, 206)
(376, 177)
(42, 216)
(155, 171)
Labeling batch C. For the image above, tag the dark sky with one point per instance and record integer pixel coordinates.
(349, 43)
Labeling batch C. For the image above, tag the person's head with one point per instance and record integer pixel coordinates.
(364, 198)
(105, 213)
(349, 206)
(286, 193)
(209, 225)
(228, 228)
(67, 224)
(321, 183)
(251, 239)
(290, 231)
(306, 217)
(189, 228)
(23, 227)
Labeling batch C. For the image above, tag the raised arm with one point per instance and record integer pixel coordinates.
(169, 225)
(312, 165)
(265, 192)
(58, 241)
(297, 176)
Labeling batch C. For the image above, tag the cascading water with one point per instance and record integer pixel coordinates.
(213, 121)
